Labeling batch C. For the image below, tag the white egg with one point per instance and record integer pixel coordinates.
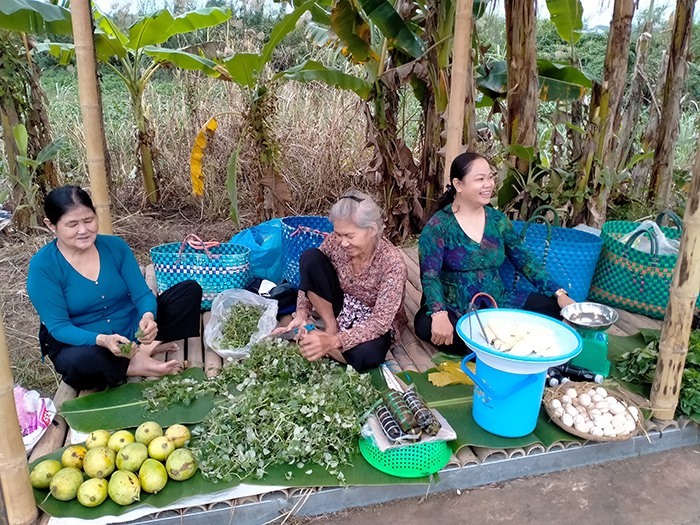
(596, 431)
(571, 410)
(591, 392)
(634, 412)
(602, 406)
(567, 420)
(565, 399)
(582, 427)
(584, 399)
(571, 392)
(581, 409)
(601, 391)
(559, 411)
(554, 403)
(596, 398)
(618, 408)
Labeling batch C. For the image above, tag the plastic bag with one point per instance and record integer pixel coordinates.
(220, 311)
(265, 243)
(35, 414)
(642, 242)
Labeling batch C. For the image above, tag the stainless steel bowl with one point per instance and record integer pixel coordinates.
(592, 316)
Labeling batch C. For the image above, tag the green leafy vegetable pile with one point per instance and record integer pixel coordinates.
(240, 325)
(274, 408)
(639, 367)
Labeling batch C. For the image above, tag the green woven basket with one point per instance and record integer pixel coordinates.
(410, 461)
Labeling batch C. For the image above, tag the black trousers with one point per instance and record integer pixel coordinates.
(317, 275)
(423, 323)
(93, 367)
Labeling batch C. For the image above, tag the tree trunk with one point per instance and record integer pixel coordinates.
(461, 63)
(635, 99)
(91, 109)
(521, 55)
(685, 286)
(15, 488)
(614, 77)
(38, 125)
(661, 180)
(640, 172)
(150, 184)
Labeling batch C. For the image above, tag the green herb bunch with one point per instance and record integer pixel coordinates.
(639, 366)
(173, 389)
(282, 410)
(242, 322)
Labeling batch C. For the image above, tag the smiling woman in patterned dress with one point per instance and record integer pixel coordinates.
(461, 250)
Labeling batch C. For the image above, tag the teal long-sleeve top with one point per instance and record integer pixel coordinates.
(454, 267)
(76, 309)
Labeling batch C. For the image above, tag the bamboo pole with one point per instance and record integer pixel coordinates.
(91, 110)
(685, 286)
(458, 83)
(17, 495)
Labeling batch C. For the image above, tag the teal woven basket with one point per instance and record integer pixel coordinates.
(410, 461)
(631, 279)
(215, 267)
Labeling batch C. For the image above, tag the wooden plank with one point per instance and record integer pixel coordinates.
(413, 272)
(195, 352)
(402, 357)
(637, 320)
(212, 360)
(419, 355)
(56, 434)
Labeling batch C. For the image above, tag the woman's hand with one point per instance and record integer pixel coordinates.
(300, 319)
(111, 342)
(316, 344)
(149, 329)
(442, 329)
(564, 300)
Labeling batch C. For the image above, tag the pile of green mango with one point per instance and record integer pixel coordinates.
(119, 465)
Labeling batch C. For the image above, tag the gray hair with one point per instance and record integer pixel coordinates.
(359, 208)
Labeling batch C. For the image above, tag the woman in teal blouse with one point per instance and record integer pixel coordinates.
(91, 298)
(461, 250)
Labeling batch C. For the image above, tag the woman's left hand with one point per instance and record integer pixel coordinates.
(316, 344)
(564, 300)
(149, 327)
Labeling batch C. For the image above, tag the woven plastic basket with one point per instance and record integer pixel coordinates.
(299, 234)
(410, 461)
(215, 267)
(568, 255)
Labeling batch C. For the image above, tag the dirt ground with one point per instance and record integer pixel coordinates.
(657, 489)
(141, 230)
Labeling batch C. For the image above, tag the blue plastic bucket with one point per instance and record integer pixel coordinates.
(505, 404)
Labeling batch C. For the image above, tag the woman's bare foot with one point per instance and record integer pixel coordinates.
(156, 347)
(143, 365)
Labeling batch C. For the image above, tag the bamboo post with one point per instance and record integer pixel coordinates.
(458, 83)
(685, 286)
(17, 495)
(91, 110)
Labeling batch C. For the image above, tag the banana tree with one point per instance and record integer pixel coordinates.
(372, 34)
(134, 55)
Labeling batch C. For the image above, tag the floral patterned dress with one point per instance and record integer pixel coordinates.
(454, 267)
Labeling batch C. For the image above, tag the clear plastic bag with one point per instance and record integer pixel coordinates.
(35, 414)
(641, 241)
(220, 312)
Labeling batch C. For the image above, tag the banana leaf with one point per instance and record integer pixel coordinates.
(359, 473)
(455, 403)
(124, 407)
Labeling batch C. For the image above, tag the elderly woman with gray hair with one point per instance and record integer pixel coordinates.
(355, 282)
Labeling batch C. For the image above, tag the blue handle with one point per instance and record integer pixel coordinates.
(486, 388)
(307, 327)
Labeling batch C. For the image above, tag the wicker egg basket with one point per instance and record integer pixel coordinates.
(581, 388)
